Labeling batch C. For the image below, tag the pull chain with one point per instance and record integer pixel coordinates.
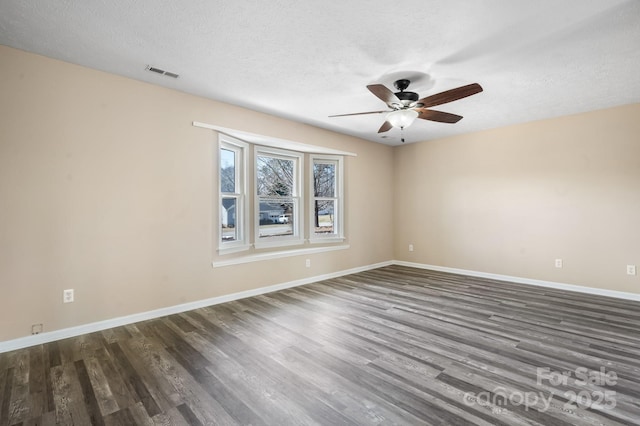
(402, 134)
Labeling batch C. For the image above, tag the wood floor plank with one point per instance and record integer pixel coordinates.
(133, 380)
(68, 398)
(20, 404)
(119, 418)
(37, 382)
(100, 383)
(5, 403)
(390, 346)
(188, 415)
(88, 393)
(115, 383)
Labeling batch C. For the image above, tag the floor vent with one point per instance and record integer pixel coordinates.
(162, 72)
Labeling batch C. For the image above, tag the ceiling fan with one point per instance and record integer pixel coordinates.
(406, 106)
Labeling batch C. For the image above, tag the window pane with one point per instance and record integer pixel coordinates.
(276, 217)
(324, 179)
(228, 216)
(227, 171)
(275, 176)
(324, 216)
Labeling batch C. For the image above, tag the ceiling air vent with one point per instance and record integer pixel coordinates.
(162, 72)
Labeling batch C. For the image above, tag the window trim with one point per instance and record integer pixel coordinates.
(240, 149)
(297, 195)
(338, 220)
(270, 255)
(270, 141)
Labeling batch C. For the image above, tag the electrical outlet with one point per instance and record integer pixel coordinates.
(558, 263)
(410, 247)
(631, 269)
(67, 296)
(36, 328)
(307, 263)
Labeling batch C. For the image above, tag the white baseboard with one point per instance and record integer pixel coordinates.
(50, 336)
(529, 281)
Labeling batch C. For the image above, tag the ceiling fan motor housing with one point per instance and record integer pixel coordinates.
(406, 98)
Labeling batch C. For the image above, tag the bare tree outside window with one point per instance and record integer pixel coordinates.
(324, 188)
(276, 190)
(275, 176)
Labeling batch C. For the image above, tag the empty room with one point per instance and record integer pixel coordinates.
(319, 213)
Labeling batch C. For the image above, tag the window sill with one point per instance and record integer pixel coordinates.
(236, 249)
(276, 255)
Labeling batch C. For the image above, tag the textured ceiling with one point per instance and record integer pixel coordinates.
(305, 60)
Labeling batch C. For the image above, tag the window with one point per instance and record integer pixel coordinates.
(327, 198)
(231, 171)
(271, 197)
(278, 194)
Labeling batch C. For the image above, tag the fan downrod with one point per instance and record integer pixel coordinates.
(401, 84)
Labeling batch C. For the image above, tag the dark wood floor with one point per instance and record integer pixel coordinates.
(394, 345)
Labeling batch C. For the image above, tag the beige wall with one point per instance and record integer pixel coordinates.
(511, 200)
(107, 188)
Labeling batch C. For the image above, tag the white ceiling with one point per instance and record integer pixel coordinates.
(305, 60)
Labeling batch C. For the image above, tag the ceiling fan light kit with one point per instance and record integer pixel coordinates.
(402, 117)
(406, 106)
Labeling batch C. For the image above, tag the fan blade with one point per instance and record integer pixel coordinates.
(386, 126)
(358, 113)
(433, 115)
(384, 94)
(450, 95)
